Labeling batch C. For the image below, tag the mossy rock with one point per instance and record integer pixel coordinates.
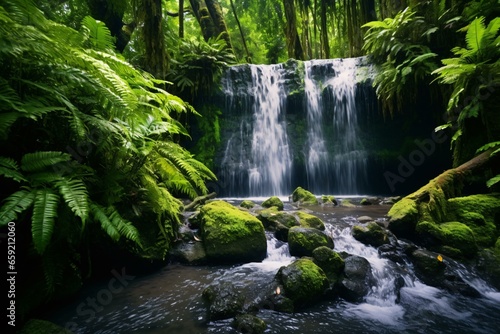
(329, 199)
(273, 201)
(224, 301)
(308, 220)
(488, 264)
(365, 201)
(37, 326)
(403, 218)
(303, 282)
(231, 235)
(331, 263)
(278, 222)
(247, 204)
(481, 213)
(347, 203)
(372, 234)
(429, 267)
(249, 324)
(304, 197)
(303, 241)
(452, 238)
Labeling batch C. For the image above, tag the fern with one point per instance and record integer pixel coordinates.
(75, 195)
(494, 180)
(14, 204)
(43, 219)
(99, 35)
(39, 160)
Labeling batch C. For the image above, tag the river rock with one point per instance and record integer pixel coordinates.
(224, 301)
(303, 282)
(309, 220)
(247, 204)
(277, 222)
(231, 235)
(304, 197)
(346, 203)
(331, 263)
(372, 234)
(273, 201)
(364, 219)
(303, 240)
(192, 253)
(249, 324)
(329, 200)
(358, 279)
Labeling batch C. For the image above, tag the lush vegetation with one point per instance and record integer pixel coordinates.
(97, 95)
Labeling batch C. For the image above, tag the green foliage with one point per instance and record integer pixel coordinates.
(398, 46)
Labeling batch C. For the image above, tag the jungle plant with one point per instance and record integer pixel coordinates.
(87, 140)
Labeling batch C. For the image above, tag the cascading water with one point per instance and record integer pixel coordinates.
(331, 84)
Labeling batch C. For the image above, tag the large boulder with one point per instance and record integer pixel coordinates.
(273, 201)
(358, 279)
(302, 241)
(278, 222)
(372, 234)
(308, 220)
(231, 235)
(303, 282)
(403, 218)
(192, 253)
(304, 197)
(331, 263)
(224, 301)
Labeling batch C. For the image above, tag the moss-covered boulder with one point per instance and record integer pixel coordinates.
(247, 204)
(231, 235)
(346, 203)
(278, 222)
(331, 263)
(224, 301)
(308, 220)
(273, 201)
(303, 282)
(452, 238)
(302, 241)
(37, 326)
(249, 324)
(304, 197)
(328, 200)
(371, 234)
(479, 212)
(366, 201)
(403, 218)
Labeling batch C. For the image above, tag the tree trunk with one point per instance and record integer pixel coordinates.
(249, 58)
(181, 18)
(324, 30)
(156, 56)
(292, 37)
(219, 23)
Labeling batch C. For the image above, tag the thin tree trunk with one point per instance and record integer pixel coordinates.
(181, 18)
(249, 58)
(156, 56)
(294, 46)
(324, 30)
(215, 11)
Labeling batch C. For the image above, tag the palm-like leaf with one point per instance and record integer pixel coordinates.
(99, 34)
(15, 204)
(40, 160)
(75, 195)
(43, 219)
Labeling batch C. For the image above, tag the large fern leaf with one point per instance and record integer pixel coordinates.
(43, 219)
(99, 214)
(15, 204)
(475, 34)
(37, 161)
(76, 196)
(10, 169)
(99, 34)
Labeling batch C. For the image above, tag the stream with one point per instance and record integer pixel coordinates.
(169, 301)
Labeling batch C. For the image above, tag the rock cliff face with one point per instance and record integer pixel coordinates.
(316, 124)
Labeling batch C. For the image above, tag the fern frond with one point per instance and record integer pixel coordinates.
(99, 35)
(43, 219)
(475, 33)
(494, 180)
(10, 169)
(124, 227)
(15, 204)
(76, 196)
(37, 161)
(6, 121)
(99, 213)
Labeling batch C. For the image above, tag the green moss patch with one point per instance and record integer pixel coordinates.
(304, 197)
(308, 220)
(273, 201)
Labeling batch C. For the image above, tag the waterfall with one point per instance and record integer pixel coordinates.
(293, 124)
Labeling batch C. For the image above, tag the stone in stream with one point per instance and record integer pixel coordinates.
(249, 324)
(358, 279)
(372, 234)
(303, 241)
(224, 301)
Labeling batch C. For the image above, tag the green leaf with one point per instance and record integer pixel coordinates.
(442, 127)
(486, 147)
(99, 213)
(14, 204)
(475, 33)
(99, 34)
(39, 160)
(75, 195)
(43, 219)
(493, 181)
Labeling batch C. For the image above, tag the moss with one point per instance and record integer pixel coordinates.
(330, 261)
(230, 234)
(308, 220)
(247, 204)
(304, 197)
(329, 199)
(273, 201)
(365, 201)
(36, 326)
(347, 203)
(403, 217)
(372, 234)
(303, 281)
(302, 241)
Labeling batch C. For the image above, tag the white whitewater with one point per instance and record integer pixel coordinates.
(270, 170)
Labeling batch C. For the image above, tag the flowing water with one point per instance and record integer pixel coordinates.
(169, 301)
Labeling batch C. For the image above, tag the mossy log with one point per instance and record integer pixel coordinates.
(199, 201)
